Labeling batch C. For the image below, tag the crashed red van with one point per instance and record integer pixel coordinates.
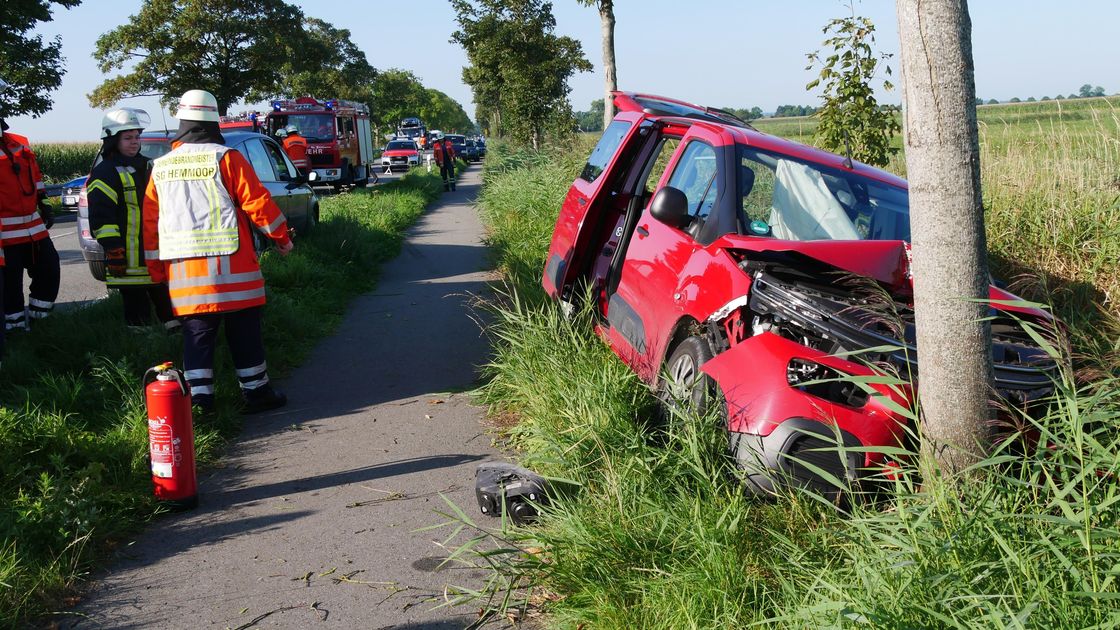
(730, 267)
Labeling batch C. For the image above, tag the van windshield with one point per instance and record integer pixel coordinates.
(801, 201)
(313, 127)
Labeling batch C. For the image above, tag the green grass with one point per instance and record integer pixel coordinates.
(659, 535)
(73, 470)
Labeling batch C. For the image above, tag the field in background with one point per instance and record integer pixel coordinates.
(63, 161)
(1051, 181)
(659, 533)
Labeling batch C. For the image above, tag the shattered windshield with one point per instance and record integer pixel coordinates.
(798, 201)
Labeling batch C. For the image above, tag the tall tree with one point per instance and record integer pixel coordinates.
(610, 69)
(31, 67)
(851, 120)
(397, 94)
(342, 71)
(950, 265)
(227, 47)
(518, 60)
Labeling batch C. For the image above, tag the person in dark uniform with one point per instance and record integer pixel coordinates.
(115, 191)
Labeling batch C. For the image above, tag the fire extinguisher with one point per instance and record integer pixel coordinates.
(171, 437)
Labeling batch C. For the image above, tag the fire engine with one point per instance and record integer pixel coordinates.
(339, 143)
(244, 121)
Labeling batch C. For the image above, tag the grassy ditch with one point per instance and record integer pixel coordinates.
(659, 534)
(73, 440)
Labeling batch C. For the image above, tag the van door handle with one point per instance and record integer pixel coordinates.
(581, 201)
(643, 231)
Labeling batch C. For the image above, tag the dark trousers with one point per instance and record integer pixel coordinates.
(40, 260)
(243, 336)
(447, 172)
(139, 301)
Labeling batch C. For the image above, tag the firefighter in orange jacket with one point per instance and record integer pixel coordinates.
(445, 157)
(295, 146)
(25, 218)
(202, 201)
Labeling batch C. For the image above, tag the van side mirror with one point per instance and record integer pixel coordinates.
(670, 206)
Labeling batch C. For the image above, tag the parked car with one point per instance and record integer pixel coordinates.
(459, 143)
(289, 188)
(480, 144)
(400, 154)
(732, 271)
(71, 192)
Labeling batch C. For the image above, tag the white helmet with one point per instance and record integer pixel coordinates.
(198, 105)
(281, 133)
(292, 129)
(124, 119)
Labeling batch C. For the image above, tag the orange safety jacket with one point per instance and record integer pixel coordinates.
(295, 146)
(224, 283)
(21, 187)
(440, 148)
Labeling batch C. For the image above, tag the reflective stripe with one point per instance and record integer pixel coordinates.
(202, 390)
(151, 254)
(252, 371)
(22, 219)
(217, 298)
(11, 235)
(196, 374)
(105, 189)
(39, 303)
(132, 223)
(14, 317)
(255, 384)
(275, 225)
(217, 279)
(106, 231)
(136, 280)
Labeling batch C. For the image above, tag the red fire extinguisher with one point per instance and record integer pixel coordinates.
(171, 437)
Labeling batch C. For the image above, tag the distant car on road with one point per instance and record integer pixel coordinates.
(289, 188)
(400, 154)
(470, 151)
(459, 143)
(71, 192)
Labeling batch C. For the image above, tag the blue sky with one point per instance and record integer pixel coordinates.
(723, 53)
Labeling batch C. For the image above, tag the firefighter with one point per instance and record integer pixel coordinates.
(115, 190)
(200, 205)
(295, 146)
(26, 219)
(445, 157)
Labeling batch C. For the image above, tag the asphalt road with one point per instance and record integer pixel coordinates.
(315, 519)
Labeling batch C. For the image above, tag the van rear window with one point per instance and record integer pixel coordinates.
(613, 136)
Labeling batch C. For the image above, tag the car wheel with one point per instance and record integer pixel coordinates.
(312, 219)
(97, 269)
(683, 387)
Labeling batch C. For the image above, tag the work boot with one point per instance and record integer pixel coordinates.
(263, 398)
(203, 404)
(446, 186)
(452, 184)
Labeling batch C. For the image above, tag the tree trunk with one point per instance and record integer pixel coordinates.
(950, 265)
(606, 16)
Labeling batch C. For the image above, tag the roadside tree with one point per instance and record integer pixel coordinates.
(397, 94)
(230, 48)
(343, 71)
(31, 67)
(950, 265)
(851, 121)
(610, 69)
(519, 68)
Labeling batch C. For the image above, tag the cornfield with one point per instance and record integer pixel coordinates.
(63, 161)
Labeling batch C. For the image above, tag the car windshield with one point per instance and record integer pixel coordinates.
(799, 201)
(313, 127)
(155, 148)
(397, 146)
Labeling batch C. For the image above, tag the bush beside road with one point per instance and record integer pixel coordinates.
(73, 464)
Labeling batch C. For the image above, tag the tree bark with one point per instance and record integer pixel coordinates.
(606, 16)
(950, 264)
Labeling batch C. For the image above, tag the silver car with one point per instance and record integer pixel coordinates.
(289, 189)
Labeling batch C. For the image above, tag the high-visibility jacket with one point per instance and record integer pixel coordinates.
(21, 187)
(196, 191)
(114, 190)
(442, 149)
(295, 146)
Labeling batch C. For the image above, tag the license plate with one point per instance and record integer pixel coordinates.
(69, 200)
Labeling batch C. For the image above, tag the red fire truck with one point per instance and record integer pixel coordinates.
(339, 143)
